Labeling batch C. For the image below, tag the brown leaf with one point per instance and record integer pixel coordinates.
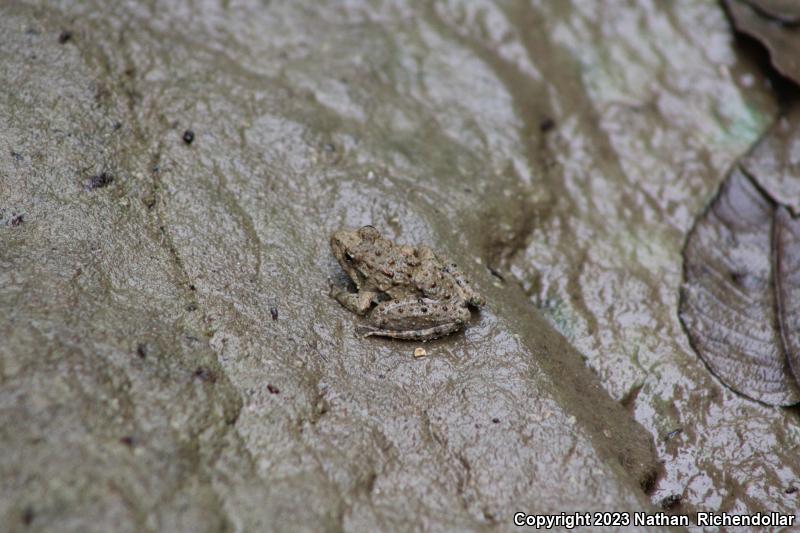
(782, 40)
(775, 161)
(786, 11)
(787, 277)
(728, 303)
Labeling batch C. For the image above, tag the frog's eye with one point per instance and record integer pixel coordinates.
(348, 256)
(369, 232)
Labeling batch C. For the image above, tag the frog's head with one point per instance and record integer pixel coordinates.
(348, 248)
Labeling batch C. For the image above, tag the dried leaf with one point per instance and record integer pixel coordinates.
(787, 278)
(775, 161)
(782, 40)
(728, 303)
(786, 11)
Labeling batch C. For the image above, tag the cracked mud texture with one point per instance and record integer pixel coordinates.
(171, 359)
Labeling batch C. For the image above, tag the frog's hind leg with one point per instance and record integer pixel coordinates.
(425, 334)
(471, 296)
(416, 319)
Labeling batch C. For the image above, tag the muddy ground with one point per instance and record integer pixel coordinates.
(170, 358)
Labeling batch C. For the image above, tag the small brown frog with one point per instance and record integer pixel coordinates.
(417, 294)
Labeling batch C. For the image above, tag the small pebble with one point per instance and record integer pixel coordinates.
(420, 352)
(188, 136)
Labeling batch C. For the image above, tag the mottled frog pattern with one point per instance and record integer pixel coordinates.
(404, 292)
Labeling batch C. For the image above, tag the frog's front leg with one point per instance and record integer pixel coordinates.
(416, 318)
(357, 302)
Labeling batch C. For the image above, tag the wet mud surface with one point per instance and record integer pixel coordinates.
(172, 173)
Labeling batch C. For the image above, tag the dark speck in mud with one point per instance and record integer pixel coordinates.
(192, 287)
(98, 181)
(64, 36)
(27, 515)
(790, 490)
(188, 136)
(117, 125)
(274, 312)
(495, 420)
(546, 124)
(16, 155)
(192, 307)
(141, 351)
(671, 502)
(675, 432)
(648, 482)
(128, 441)
(204, 374)
(273, 389)
(16, 220)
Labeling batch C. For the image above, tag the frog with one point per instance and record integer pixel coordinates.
(404, 292)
